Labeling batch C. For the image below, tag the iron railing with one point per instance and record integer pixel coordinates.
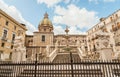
(60, 69)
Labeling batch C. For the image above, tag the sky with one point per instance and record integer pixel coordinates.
(78, 15)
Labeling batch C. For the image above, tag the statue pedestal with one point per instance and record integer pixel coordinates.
(106, 54)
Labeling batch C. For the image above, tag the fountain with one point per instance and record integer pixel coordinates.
(67, 48)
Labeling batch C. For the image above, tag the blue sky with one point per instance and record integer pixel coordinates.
(79, 15)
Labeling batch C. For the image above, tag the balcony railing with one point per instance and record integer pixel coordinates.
(4, 39)
(12, 41)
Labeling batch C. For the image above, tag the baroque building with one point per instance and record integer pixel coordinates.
(104, 36)
(9, 29)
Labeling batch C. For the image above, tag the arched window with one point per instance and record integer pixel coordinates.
(118, 24)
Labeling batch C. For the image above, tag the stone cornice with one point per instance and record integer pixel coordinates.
(12, 19)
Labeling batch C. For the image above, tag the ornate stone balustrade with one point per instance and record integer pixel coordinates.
(81, 53)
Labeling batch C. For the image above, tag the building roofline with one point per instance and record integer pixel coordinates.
(12, 19)
(29, 35)
(104, 20)
(70, 35)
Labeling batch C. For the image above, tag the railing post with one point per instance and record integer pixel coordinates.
(35, 65)
(71, 64)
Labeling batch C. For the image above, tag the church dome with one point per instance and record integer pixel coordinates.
(46, 22)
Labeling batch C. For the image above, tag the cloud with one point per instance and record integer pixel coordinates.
(13, 12)
(109, 0)
(72, 30)
(49, 3)
(59, 29)
(97, 1)
(74, 17)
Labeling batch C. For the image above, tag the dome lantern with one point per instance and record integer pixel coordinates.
(46, 15)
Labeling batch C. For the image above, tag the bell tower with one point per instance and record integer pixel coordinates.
(45, 34)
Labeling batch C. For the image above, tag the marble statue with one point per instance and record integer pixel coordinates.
(78, 43)
(47, 50)
(19, 50)
(56, 44)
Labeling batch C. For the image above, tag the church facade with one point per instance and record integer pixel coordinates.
(45, 36)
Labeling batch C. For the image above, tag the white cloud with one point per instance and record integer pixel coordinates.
(109, 0)
(74, 17)
(49, 3)
(58, 30)
(13, 12)
(97, 1)
(66, 1)
(72, 30)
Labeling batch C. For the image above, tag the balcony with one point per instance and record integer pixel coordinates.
(115, 28)
(97, 36)
(12, 41)
(117, 44)
(4, 39)
(93, 39)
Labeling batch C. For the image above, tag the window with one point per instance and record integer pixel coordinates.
(111, 18)
(11, 46)
(116, 15)
(7, 23)
(112, 26)
(10, 56)
(4, 34)
(104, 23)
(50, 30)
(13, 37)
(98, 26)
(43, 38)
(26, 56)
(2, 45)
(1, 52)
(14, 27)
(44, 29)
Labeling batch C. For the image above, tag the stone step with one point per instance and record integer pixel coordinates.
(65, 57)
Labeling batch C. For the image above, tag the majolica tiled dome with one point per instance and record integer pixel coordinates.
(46, 22)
